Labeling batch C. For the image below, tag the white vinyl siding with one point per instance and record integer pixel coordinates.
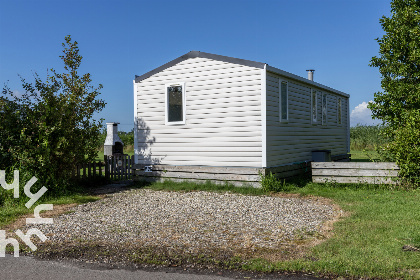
(222, 116)
(283, 101)
(314, 106)
(339, 111)
(324, 108)
(294, 141)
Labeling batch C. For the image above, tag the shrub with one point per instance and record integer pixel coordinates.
(49, 130)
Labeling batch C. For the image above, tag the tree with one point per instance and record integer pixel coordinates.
(398, 106)
(50, 129)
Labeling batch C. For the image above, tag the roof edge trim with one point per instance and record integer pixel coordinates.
(306, 81)
(194, 54)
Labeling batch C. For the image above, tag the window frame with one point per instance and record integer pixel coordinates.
(167, 122)
(314, 106)
(281, 81)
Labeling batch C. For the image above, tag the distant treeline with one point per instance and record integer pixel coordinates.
(366, 137)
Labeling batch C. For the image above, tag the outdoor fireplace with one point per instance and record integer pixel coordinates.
(113, 145)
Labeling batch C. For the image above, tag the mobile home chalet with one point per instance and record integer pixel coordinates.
(204, 116)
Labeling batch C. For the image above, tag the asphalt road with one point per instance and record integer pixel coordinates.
(25, 267)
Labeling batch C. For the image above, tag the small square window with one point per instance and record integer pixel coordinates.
(283, 101)
(175, 103)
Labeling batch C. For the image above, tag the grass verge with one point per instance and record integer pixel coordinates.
(13, 208)
(206, 186)
(364, 155)
(378, 239)
(370, 241)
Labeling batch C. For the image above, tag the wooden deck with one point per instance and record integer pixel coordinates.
(237, 176)
(355, 172)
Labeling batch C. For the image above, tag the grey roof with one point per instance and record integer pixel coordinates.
(193, 54)
(261, 65)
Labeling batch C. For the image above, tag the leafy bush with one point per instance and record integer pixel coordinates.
(49, 129)
(269, 183)
(127, 137)
(405, 148)
(399, 104)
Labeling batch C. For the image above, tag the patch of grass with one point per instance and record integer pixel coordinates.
(364, 156)
(169, 185)
(367, 243)
(12, 208)
(72, 198)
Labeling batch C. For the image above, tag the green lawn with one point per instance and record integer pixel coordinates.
(11, 209)
(365, 155)
(367, 242)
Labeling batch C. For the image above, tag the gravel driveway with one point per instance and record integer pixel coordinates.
(194, 221)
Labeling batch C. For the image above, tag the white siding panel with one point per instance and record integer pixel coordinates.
(223, 116)
(293, 141)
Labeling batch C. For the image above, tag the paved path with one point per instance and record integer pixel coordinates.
(30, 268)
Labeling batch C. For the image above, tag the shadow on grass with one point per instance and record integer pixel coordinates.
(363, 160)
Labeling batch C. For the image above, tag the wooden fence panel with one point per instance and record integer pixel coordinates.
(119, 167)
(355, 172)
(88, 170)
(115, 168)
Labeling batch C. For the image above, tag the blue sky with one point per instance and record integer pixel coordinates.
(121, 39)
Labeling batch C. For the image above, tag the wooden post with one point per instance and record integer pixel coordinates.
(112, 167)
(106, 167)
(100, 168)
(94, 169)
(123, 169)
(131, 166)
(119, 169)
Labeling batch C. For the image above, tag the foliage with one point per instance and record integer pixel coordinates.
(406, 146)
(270, 183)
(49, 129)
(127, 137)
(366, 137)
(399, 105)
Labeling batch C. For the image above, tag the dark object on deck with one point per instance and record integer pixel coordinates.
(321, 155)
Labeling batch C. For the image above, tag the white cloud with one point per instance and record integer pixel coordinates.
(361, 114)
(17, 93)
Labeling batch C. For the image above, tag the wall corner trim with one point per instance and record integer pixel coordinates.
(136, 128)
(264, 116)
